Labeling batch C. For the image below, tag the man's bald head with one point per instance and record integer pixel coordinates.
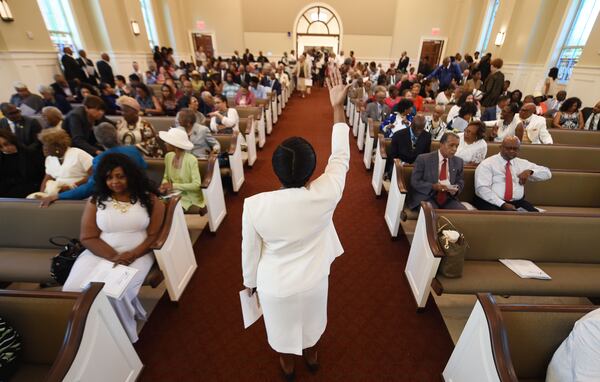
(527, 110)
(509, 149)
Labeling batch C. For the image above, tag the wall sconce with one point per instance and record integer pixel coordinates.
(500, 38)
(135, 27)
(5, 13)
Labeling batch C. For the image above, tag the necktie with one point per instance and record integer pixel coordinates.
(508, 188)
(442, 196)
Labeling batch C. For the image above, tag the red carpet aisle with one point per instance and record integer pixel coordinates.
(373, 333)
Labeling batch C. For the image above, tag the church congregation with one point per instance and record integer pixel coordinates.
(137, 192)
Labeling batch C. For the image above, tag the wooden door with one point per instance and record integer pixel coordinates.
(432, 49)
(204, 41)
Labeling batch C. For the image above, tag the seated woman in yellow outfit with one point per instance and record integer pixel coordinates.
(181, 170)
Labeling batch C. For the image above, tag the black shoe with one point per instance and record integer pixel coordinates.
(312, 367)
(291, 377)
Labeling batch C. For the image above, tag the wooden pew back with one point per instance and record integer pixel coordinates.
(553, 156)
(543, 237)
(565, 188)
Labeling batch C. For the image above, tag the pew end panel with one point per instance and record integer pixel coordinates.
(396, 199)
(356, 119)
(379, 165)
(268, 115)
(424, 257)
(370, 143)
(520, 340)
(212, 190)
(360, 141)
(173, 251)
(474, 348)
(247, 128)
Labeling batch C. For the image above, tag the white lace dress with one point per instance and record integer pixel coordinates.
(123, 231)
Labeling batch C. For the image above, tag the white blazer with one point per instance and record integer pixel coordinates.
(288, 237)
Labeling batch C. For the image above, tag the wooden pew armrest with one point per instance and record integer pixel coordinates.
(400, 176)
(207, 178)
(74, 334)
(431, 228)
(233, 142)
(165, 229)
(382, 150)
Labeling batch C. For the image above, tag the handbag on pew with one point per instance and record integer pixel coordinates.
(62, 263)
(454, 245)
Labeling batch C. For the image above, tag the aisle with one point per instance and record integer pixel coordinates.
(374, 332)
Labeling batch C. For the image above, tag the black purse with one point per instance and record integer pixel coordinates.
(62, 263)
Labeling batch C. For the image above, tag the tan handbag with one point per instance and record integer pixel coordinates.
(452, 263)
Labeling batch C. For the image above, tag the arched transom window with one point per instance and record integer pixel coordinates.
(318, 21)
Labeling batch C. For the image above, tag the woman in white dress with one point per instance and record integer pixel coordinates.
(472, 148)
(289, 240)
(466, 97)
(66, 167)
(120, 222)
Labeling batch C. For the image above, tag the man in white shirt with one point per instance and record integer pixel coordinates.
(577, 357)
(339, 60)
(500, 179)
(536, 131)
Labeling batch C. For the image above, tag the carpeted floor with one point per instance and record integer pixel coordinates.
(373, 333)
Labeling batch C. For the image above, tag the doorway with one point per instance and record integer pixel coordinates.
(317, 26)
(431, 51)
(205, 41)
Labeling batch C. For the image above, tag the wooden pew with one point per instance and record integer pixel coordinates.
(569, 137)
(563, 245)
(272, 97)
(510, 342)
(212, 187)
(256, 113)
(231, 144)
(69, 336)
(565, 157)
(25, 251)
(569, 191)
(159, 123)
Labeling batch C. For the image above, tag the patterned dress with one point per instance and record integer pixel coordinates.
(142, 135)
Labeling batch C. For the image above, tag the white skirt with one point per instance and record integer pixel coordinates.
(295, 322)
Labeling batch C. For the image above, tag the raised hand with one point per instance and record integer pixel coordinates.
(337, 90)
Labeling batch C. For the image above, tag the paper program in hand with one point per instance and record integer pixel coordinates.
(251, 310)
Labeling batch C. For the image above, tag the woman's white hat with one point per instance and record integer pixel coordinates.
(176, 137)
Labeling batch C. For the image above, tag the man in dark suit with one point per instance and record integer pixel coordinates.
(63, 88)
(247, 57)
(25, 128)
(71, 68)
(403, 62)
(243, 76)
(493, 84)
(492, 113)
(79, 123)
(105, 70)
(88, 67)
(409, 143)
(438, 177)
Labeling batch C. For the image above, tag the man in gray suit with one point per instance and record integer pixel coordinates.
(438, 177)
(377, 110)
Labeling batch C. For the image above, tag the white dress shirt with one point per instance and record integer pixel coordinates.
(490, 178)
(474, 152)
(577, 357)
(504, 130)
(288, 237)
(441, 99)
(232, 119)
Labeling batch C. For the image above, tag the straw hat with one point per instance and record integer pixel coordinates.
(177, 138)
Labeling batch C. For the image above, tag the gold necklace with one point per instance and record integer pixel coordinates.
(121, 207)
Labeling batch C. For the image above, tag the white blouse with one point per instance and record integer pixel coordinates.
(231, 120)
(74, 167)
(474, 152)
(506, 130)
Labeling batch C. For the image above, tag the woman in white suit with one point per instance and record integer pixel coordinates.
(289, 240)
